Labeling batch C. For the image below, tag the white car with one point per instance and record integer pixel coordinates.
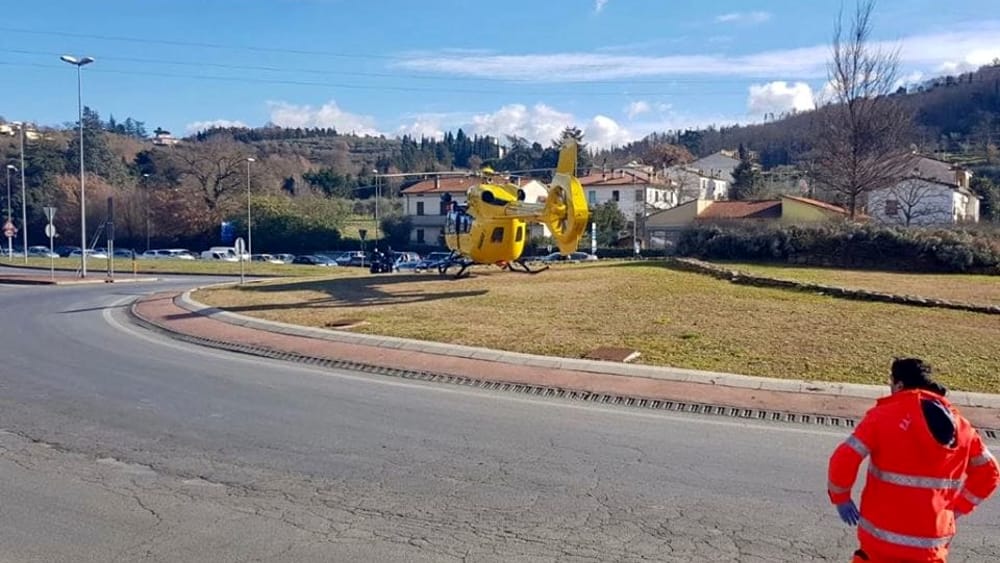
(91, 253)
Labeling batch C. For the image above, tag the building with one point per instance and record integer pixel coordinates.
(635, 189)
(707, 178)
(663, 228)
(163, 138)
(934, 192)
(422, 203)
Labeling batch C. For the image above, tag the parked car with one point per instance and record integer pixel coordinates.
(265, 258)
(42, 252)
(124, 253)
(572, 257)
(432, 260)
(284, 258)
(168, 254)
(65, 251)
(314, 260)
(98, 253)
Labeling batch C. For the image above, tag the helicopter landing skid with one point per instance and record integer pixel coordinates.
(524, 268)
(463, 266)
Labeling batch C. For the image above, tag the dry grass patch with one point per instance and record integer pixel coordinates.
(673, 318)
(984, 290)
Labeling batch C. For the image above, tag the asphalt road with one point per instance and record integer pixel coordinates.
(119, 445)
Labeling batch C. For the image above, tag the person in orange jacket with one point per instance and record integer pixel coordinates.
(928, 467)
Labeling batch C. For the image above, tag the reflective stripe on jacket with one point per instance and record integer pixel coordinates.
(914, 482)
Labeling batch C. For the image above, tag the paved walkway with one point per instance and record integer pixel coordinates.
(177, 313)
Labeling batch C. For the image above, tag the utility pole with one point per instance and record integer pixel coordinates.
(79, 63)
(24, 201)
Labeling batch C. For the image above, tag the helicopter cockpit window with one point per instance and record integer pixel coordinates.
(497, 235)
(519, 234)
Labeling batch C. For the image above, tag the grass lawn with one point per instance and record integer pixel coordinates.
(983, 290)
(673, 318)
(124, 266)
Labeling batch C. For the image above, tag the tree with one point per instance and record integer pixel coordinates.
(748, 182)
(215, 170)
(989, 191)
(911, 198)
(665, 155)
(861, 139)
(610, 222)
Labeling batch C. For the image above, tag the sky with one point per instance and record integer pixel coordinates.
(617, 69)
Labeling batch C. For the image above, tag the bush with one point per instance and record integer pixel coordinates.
(974, 250)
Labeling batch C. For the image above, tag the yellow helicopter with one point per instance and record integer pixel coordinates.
(492, 227)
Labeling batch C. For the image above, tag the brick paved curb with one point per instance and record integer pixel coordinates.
(960, 398)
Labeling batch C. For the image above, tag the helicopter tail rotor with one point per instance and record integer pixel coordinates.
(566, 212)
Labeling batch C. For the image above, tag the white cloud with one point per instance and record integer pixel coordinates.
(428, 125)
(599, 5)
(203, 125)
(540, 123)
(603, 132)
(743, 17)
(543, 124)
(974, 45)
(637, 108)
(779, 97)
(284, 114)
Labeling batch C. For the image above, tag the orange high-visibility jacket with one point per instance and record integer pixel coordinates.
(914, 483)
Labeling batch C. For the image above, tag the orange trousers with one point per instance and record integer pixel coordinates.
(862, 557)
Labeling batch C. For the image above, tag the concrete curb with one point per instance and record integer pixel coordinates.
(853, 390)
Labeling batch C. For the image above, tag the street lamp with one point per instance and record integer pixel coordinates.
(249, 233)
(375, 240)
(24, 201)
(79, 63)
(145, 185)
(10, 240)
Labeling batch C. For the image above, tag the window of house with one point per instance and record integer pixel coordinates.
(891, 207)
(640, 195)
(420, 235)
(615, 195)
(497, 235)
(592, 197)
(420, 208)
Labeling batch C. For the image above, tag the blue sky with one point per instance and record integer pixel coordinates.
(619, 69)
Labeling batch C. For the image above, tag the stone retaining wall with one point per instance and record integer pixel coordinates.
(743, 278)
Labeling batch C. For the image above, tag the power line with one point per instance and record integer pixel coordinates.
(204, 45)
(246, 79)
(105, 57)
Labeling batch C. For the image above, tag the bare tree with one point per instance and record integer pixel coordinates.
(911, 199)
(215, 169)
(862, 137)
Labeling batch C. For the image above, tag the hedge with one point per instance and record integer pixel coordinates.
(848, 245)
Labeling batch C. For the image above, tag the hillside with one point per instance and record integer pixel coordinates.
(957, 117)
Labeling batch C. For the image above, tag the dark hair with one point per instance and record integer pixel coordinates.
(913, 373)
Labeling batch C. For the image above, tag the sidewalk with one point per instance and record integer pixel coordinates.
(178, 314)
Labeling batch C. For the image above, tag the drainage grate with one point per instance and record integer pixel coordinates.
(546, 392)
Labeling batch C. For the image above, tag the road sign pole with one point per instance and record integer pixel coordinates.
(240, 251)
(50, 231)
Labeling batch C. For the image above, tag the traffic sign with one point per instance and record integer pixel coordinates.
(241, 247)
(50, 230)
(50, 212)
(9, 229)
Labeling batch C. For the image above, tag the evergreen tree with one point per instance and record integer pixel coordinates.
(747, 179)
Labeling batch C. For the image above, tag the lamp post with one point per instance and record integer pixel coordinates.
(79, 64)
(249, 231)
(24, 201)
(145, 190)
(375, 240)
(10, 240)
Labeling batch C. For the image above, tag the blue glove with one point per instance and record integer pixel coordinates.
(849, 513)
